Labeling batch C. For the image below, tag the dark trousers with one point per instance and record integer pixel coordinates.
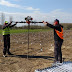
(57, 51)
(6, 39)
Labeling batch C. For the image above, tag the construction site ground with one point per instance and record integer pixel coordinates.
(40, 52)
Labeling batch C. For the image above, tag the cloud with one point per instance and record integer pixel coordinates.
(7, 3)
(57, 10)
(36, 11)
(30, 8)
(64, 17)
(38, 16)
(17, 0)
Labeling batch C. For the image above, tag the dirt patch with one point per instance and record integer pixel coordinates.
(41, 51)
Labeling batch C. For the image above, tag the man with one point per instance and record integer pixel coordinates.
(58, 39)
(6, 37)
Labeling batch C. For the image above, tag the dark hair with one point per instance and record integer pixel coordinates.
(56, 20)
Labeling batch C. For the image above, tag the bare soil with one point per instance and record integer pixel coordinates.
(40, 52)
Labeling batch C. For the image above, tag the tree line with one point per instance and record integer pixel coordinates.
(67, 26)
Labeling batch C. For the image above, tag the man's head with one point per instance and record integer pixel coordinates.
(56, 22)
(6, 23)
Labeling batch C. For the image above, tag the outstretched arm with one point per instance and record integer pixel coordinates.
(50, 25)
(4, 26)
(13, 25)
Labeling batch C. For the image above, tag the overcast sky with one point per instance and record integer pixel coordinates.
(40, 10)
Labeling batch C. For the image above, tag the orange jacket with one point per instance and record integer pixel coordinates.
(60, 34)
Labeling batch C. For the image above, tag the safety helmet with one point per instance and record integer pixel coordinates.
(6, 22)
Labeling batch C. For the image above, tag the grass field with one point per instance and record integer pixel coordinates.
(25, 30)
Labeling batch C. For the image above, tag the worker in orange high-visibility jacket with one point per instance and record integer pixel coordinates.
(58, 39)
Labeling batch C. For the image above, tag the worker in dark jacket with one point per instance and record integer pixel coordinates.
(58, 38)
(6, 37)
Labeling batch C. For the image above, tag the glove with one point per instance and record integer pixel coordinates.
(28, 22)
(16, 22)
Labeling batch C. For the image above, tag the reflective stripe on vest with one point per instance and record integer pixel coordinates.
(60, 34)
(6, 31)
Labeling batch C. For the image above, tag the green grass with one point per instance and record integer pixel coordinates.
(0, 31)
(70, 28)
(26, 30)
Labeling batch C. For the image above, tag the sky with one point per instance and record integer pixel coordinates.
(46, 10)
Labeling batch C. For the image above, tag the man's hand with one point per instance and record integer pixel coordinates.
(45, 23)
(16, 22)
(11, 22)
(28, 22)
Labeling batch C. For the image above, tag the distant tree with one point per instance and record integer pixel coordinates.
(0, 26)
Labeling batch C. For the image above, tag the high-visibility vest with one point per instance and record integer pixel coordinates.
(6, 31)
(60, 34)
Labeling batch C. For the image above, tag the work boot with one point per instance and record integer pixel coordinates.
(57, 64)
(9, 53)
(4, 56)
